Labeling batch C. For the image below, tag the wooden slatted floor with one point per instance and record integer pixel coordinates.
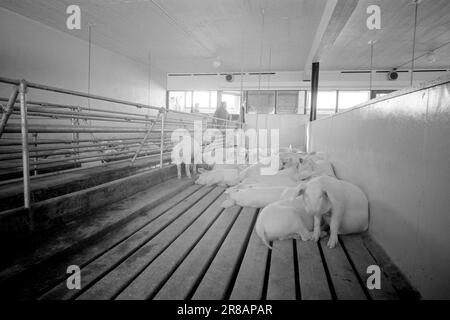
(191, 248)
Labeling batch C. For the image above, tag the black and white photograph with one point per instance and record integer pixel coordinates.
(225, 156)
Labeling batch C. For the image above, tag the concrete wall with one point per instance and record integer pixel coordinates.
(38, 53)
(397, 149)
(291, 126)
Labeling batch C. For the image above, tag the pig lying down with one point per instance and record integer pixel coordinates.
(221, 177)
(283, 178)
(310, 168)
(257, 196)
(343, 206)
(284, 219)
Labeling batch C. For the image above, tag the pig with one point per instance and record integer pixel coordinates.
(343, 205)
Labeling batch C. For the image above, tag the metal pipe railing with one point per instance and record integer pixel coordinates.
(85, 149)
(72, 135)
(42, 151)
(71, 159)
(76, 93)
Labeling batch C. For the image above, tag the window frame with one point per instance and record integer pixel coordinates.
(349, 90)
(274, 105)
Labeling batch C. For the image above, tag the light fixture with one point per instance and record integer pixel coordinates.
(217, 63)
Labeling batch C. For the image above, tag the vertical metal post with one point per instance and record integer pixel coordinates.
(36, 158)
(372, 42)
(9, 109)
(163, 122)
(314, 90)
(75, 136)
(25, 151)
(337, 102)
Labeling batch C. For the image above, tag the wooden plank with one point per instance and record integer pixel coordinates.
(159, 220)
(249, 283)
(345, 281)
(111, 284)
(80, 233)
(281, 284)
(217, 279)
(182, 282)
(153, 276)
(312, 276)
(362, 259)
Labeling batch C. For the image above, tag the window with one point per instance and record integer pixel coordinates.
(287, 102)
(326, 102)
(180, 101)
(233, 101)
(380, 93)
(349, 99)
(261, 102)
(205, 101)
(302, 102)
(188, 101)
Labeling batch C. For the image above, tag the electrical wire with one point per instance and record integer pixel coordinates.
(416, 10)
(260, 74)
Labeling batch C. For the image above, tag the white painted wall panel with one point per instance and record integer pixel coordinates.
(38, 53)
(291, 127)
(398, 152)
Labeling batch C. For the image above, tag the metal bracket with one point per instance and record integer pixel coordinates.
(8, 110)
(145, 138)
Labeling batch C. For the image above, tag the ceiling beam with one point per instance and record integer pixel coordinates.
(335, 16)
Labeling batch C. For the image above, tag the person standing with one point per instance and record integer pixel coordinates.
(221, 113)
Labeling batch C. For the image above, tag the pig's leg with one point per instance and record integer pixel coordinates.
(179, 170)
(188, 170)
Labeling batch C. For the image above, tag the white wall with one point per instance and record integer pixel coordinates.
(291, 127)
(38, 53)
(398, 150)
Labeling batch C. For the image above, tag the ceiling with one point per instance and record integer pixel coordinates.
(184, 36)
(394, 42)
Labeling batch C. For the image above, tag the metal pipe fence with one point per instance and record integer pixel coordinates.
(37, 135)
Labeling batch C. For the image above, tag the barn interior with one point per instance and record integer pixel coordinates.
(91, 95)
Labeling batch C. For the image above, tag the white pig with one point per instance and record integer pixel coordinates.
(346, 203)
(284, 219)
